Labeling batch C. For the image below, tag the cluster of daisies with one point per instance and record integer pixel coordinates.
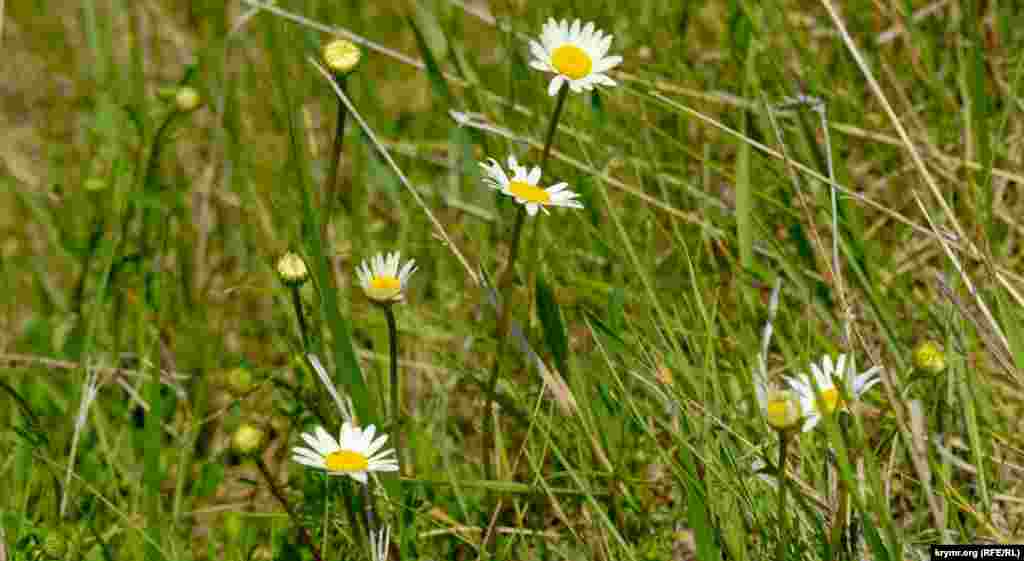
(576, 54)
(811, 396)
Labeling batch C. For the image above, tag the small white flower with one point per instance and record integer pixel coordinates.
(575, 54)
(523, 186)
(381, 278)
(826, 377)
(355, 454)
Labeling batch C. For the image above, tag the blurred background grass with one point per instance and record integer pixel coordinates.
(662, 281)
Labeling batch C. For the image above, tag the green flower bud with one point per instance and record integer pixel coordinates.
(187, 99)
(929, 357)
(292, 269)
(239, 381)
(342, 56)
(248, 439)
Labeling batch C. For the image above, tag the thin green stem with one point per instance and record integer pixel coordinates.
(783, 516)
(563, 92)
(331, 187)
(491, 448)
(148, 178)
(306, 538)
(297, 304)
(396, 403)
(505, 279)
(371, 524)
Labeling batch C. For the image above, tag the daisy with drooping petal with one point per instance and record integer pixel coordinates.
(382, 280)
(355, 454)
(826, 376)
(575, 54)
(523, 186)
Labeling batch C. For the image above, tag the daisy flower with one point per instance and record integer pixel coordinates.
(523, 186)
(355, 454)
(575, 54)
(382, 280)
(825, 377)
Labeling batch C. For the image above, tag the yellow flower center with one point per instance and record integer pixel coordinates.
(528, 192)
(347, 461)
(782, 410)
(831, 398)
(384, 288)
(571, 61)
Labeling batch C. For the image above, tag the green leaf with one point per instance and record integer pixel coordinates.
(210, 478)
(554, 329)
(437, 79)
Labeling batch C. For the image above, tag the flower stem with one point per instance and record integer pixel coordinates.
(491, 447)
(783, 534)
(505, 279)
(563, 92)
(839, 523)
(297, 303)
(506, 276)
(371, 525)
(331, 186)
(396, 402)
(287, 507)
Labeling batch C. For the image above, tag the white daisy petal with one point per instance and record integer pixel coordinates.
(556, 84)
(308, 462)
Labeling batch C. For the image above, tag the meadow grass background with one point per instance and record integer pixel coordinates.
(146, 259)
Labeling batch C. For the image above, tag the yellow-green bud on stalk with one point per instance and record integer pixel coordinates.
(782, 409)
(239, 381)
(929, 357)
(292, 269)
(248, 439)
(94, 184)
(187, 99)
(342, 56)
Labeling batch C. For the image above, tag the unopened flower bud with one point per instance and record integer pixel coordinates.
(782, 409)
(929, 357)
(94, 184)
(187, 99)
(239, 381)
(248, 439)
(292, 269)
(342, 56)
